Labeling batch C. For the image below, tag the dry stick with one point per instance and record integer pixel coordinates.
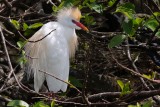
(42, 37)
(152, 13)
(38, 39)
(6, 52)
(133, 65)
(149, 41)
(136, 69)
(134, 72)
(62, 80)
(9, 61)
(8, 58)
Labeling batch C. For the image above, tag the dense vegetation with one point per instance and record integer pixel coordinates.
(116, 64)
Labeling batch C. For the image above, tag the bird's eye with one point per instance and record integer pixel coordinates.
(73, 21)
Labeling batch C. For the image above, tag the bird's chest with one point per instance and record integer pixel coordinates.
(57, 47)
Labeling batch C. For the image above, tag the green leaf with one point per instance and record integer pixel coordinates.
(35, 25)
(153, 75)
(132, 106)
(127, 26)
(15, 23)
(21, 44)
(138, 105)
(121, 84)
(116, 40)
(111, 2)
(85, 2)
(29, 32)
(157, 14)
(17, 103)
(151, 24)
(147, 104)
(40, 104)
(158, 34)
(97, 7)
(147, 76)
(89, 20)
(25, 26)
(53, 103)
(74, 81)
(128, 9)
(92, 1)
(126, 89)
(137, 22)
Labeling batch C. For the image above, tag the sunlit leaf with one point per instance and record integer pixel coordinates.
(121, 84)
(157, 14)
(21, 44)
(132, 106)
(138, 105)
(116, 40)
(35, 25)
(128, 9)
(40, 104)
(17, 103)
(25, 26)
(151, 24)
(126, 89)
(15, 23)
(97, 7)
(111, 2)
(53, 103)
(158, 34)
(147, 76)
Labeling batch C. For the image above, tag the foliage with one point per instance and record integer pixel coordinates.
(131, 25)
(144, 104)
(125, 87)
(20, 103)
(17, 103)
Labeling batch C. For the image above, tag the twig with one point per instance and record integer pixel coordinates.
(6, 52)
(42, 37)
(9, 62)
(4, 99)
(110, 95)
(61, 80)
(152, 13)
(134, 72)
(136, 69)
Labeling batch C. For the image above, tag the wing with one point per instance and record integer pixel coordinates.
(49, 55)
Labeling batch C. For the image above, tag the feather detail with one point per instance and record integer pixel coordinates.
(73, 43)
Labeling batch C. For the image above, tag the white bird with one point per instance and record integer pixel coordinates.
(52, 53)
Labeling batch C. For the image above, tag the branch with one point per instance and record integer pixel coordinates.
(138, 95)
(134, 72)
(42, 37)
(61, 80)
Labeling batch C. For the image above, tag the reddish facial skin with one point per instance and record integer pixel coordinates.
(80, 25)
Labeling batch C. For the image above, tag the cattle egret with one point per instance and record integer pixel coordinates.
(52, 53)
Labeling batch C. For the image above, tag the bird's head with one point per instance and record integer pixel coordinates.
(71, 17)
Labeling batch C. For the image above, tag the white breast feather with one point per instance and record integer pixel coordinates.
(50, 55)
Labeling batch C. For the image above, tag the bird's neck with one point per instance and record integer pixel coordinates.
(71, 37)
